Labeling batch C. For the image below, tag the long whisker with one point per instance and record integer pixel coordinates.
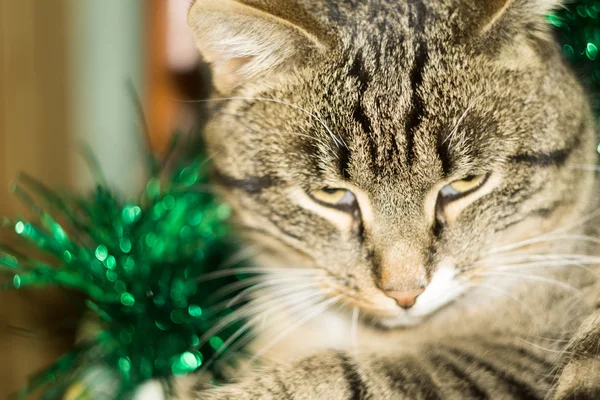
(255, 270)
(251, 322)
(533, 278)
(285, 288)
(250, 335)
(225, 347)
(233, 287)
(354, 328)
(555, 233)
(541, 257)
(551, 339)
(454, 131)
(542, 239)
(255, 308)
(508, 295)
(543, 348)
(543, 266)
(246, 339)
(242, 312)
(538, 261)
(321, 307)
(579, 222)
(240, 256)
(246, 282)
(247, 292)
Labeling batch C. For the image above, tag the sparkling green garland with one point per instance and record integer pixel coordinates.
(578, 30)
(143, 264)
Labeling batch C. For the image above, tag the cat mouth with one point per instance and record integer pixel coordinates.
(443, 290)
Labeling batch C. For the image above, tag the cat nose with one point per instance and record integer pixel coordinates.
(405, 299)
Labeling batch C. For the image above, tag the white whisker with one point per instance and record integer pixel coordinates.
(240, 256)
(531, 277)
(252, 321)
(232, 287)
(508, 295)
(545, 265)
(251, 309)
(320, 308)
(255, 270)
(273, 282)
(454, 131)
(579, 222)
(281, 305)
(541, 257)
(285, 288)
(541, 347)
(354, 329)
(542, 239)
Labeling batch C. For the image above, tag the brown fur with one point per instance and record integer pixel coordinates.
(392, 100)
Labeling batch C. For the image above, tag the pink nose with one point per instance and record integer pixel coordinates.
(405, 299)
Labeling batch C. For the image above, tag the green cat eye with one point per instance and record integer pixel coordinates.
(463, 187)
(340, 198)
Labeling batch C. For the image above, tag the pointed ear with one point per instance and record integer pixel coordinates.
(495, 10)
(244, 40)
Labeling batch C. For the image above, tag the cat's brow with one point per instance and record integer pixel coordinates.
(543, 159)
(249, 184)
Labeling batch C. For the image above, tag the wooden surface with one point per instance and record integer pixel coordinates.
(34, 137)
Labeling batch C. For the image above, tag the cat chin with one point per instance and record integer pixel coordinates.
(403, 321)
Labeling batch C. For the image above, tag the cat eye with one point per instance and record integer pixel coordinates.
(462, 187)
(339, 198)
(445, 210)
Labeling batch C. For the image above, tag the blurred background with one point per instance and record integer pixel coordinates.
(71, 75)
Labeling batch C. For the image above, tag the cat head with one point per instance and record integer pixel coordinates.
(380, 151)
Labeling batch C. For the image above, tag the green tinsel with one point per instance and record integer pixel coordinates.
(578, 28)
(142, 264)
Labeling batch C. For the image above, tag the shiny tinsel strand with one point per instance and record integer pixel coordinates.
(578, 29)
(138, 262)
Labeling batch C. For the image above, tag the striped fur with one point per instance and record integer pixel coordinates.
(465, 369)
(392, 100)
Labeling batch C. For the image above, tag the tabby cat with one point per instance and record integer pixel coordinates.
(415, 181)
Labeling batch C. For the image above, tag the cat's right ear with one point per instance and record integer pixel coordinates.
(248, 40)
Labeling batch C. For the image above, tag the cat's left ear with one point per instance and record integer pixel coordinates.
(252, 40)
(497, 10)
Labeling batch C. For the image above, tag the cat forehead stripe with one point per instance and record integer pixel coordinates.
(417, 109)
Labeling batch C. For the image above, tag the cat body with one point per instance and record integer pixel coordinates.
(413, 181)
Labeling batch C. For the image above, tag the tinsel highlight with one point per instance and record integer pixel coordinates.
(578, 29)
(144, 266)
